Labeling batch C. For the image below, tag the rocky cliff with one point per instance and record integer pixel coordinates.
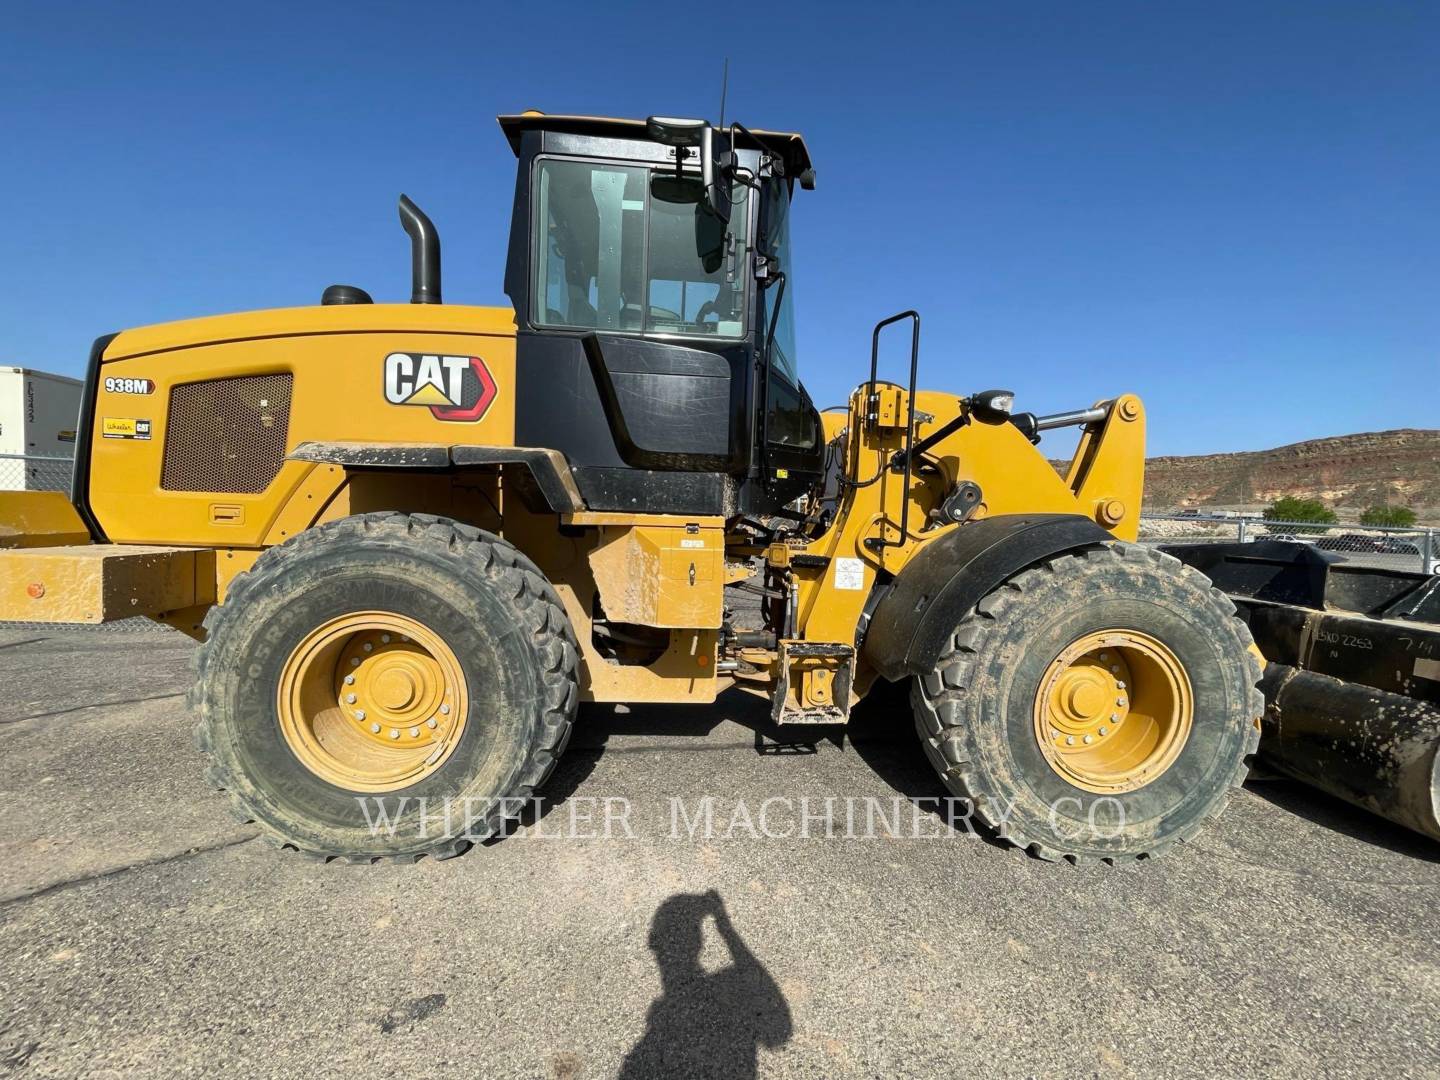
(1355, 471)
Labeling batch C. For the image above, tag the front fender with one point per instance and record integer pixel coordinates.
(913, 620)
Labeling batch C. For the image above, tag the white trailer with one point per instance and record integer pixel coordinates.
(39, 414)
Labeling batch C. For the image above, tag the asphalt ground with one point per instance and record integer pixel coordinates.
(144, 932)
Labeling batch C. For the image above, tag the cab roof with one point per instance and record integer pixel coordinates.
(790, 146)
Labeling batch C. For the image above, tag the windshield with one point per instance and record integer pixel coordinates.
(628, 248)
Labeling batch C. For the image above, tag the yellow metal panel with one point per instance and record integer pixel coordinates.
(102, 582)
(1103, 484)
(1108, 474)
(330, 319)
(338, 395)
(892, 407)
(661, 575)
(39, 519)
(306, 503)
(684, 672)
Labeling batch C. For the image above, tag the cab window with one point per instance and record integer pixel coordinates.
(630, 248)
(775, 242)
(790, 421)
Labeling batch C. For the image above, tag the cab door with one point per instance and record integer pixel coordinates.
(791, 449)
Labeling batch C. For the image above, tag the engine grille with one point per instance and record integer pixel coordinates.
(227, 435)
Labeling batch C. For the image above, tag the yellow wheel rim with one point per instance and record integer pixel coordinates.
(1113, 711)
(372, 701)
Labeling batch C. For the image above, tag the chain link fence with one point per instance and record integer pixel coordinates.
(1413, 549)
(29, 472)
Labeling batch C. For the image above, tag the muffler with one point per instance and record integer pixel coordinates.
(424, 253)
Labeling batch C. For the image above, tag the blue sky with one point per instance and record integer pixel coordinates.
(1232, 209)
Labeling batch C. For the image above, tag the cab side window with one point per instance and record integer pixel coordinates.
(789, 419)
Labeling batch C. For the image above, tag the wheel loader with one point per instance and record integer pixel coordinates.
(412, 538)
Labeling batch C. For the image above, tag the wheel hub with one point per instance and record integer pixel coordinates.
(372, 701)
(1113, 711)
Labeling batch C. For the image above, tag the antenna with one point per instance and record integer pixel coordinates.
(724, 85)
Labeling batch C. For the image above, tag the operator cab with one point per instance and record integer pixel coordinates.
(650, 270)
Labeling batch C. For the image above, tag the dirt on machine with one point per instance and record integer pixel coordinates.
(411, 538)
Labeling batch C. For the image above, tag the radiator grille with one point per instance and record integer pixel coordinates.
(227, 435)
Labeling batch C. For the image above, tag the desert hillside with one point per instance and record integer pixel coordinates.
(1347, 471)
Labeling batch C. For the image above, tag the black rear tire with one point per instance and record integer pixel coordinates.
(481, 596)
(975, 713)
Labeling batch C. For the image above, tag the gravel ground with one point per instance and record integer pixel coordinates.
(144, 932)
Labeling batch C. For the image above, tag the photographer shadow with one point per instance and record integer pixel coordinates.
(706, 1024)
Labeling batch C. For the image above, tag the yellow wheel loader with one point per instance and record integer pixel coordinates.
(412, 538)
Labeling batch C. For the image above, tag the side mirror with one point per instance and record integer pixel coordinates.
(714, 169)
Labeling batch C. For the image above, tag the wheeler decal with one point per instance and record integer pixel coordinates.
(118, 427)
(454, 388)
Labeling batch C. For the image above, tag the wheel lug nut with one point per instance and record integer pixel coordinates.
(359, 714)
(1104, 731)
(385, 639)
(1104, 656)
(1114, 717)
(349, 680)
(414, 732)
(1114, 669)
(432, 722)
(369, 647)
(1120, 701)
(445, 709)
(355, 661)
(1089, 739)
(349, 699)
(1069, 740)
(394, 734)
(375, 728)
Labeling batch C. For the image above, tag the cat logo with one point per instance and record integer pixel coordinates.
(455, 388)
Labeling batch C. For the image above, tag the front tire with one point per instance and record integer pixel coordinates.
(386, 662)
(1100, 705)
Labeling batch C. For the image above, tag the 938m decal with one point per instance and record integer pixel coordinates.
(456, 388)
(130, 386)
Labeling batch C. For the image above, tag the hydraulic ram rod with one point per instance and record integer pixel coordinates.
(1070, 419)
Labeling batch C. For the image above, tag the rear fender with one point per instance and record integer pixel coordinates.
(543, 477)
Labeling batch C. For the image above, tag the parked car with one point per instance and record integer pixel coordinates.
(1360, 544)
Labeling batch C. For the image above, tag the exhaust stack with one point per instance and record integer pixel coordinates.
(424, 253)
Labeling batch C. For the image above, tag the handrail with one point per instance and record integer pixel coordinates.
(879, 543)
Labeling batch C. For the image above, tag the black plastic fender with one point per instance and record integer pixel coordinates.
(924, 603)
